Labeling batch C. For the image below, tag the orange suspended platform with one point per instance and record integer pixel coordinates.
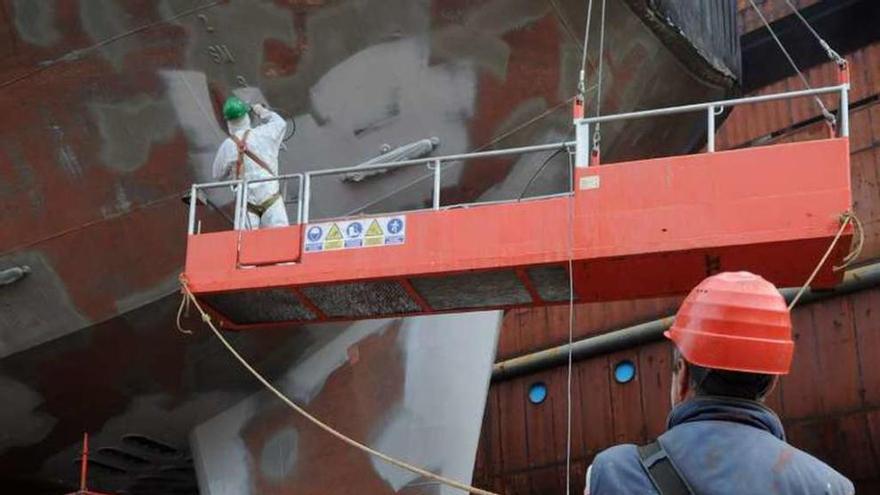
(628, 230)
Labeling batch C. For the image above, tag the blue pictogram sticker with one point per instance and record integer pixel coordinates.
(395, 225)
(354, 234)
(354, 229)
(315, 232)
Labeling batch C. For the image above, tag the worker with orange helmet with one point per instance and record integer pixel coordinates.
(733, 340)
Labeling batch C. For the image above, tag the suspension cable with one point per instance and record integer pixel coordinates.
(825, 113)
(571, 314)
(832, 54)
(582, 81)
(597, 133)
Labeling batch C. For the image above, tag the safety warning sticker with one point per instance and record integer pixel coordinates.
(349, 234)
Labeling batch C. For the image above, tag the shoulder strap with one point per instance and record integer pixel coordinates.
(241, 144)
(663, 473)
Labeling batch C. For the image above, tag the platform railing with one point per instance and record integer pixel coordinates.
(581, 147)
(283, 180)
(435, 164)
(240, 199)
(193, 225)
(715, 108)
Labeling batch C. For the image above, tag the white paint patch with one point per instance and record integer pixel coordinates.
(387, 93)
(130, 128)
(437, 424)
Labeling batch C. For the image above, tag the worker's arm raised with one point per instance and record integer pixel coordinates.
(274, 125)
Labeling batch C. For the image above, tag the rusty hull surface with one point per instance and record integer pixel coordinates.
(110, 112)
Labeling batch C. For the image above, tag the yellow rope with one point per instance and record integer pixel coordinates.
(184, 306)
(857, 250)
(845, 220)
(187, 294)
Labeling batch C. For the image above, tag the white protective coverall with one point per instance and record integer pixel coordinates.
(264, 140)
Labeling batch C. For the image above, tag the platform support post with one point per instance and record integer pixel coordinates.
(299, 200)
(307, 194)
(237, 217)
(582, 143)
(710, 129)
(192, 210)
(437, 169)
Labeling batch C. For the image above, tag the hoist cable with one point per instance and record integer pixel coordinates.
(597, 133)
(582, 84)
(568, 401)
(571, 313)
(825, 113)
(832, 54)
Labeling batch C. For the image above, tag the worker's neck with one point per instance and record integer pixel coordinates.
(239, 125)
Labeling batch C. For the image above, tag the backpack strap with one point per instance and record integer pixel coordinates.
(243, 150)
(664, 475)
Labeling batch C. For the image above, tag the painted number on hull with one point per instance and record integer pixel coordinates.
(221, 54)
(351, 234)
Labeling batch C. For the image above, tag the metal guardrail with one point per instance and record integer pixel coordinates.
(581, 146)
(304, 196)
(240, 201)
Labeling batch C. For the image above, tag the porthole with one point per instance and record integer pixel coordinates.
(624, 371)
(537, 393)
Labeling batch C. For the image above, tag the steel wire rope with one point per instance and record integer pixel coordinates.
(596, 137)
(825, 112)
(832, 54)
(187, 293)
(583, 73)
(601, 63)
(568, 401)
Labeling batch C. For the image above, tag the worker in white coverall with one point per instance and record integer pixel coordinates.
(252, 153)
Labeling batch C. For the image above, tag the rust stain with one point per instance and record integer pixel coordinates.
(532, 70)
(279, 59)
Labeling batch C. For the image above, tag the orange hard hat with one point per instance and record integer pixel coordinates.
(735, 321)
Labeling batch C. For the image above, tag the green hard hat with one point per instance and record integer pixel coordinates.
(235, 108)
